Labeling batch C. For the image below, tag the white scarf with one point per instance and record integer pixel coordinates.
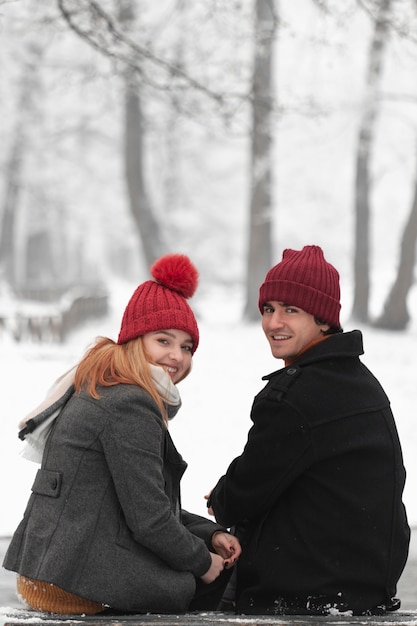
(36, 440)
(164, 385)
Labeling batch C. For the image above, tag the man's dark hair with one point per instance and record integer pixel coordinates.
(333, 330)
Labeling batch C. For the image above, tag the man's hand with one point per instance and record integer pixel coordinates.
(228, 546)
(209, 509)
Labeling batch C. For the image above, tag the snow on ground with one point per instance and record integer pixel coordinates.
(211, 427)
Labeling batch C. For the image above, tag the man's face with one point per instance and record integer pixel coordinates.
(289, 329)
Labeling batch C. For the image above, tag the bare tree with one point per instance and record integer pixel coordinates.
(14, 168)
(107, 34)
(13, 173)
(134, 139)
(360, 309)
(259, 257)
(149, 71)
(395, 314)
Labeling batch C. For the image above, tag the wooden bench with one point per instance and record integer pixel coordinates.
(46, 321)
(17, 617)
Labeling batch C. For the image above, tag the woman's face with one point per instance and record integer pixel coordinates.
(171, 349)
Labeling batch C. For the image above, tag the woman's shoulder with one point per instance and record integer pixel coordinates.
(122, 391)
(122, 398)
(121, 413)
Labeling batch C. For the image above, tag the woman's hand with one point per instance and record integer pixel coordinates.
(228, 546)
(215, 569)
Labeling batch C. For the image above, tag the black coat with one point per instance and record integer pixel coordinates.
(317, 492)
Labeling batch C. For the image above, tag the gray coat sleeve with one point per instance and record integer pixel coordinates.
(201, 526)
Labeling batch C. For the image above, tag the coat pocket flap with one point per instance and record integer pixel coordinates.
(47, 483)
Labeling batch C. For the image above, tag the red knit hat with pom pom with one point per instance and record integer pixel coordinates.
(162, 303)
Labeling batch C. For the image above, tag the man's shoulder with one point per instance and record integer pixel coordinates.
(337, 346)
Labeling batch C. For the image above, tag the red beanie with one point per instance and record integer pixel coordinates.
(161, 304)
(305, 279)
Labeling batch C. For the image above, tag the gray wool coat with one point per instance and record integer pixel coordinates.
(104, 519)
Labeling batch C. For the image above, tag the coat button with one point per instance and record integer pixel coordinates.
(291, 371)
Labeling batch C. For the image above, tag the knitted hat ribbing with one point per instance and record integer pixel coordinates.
(305, 279)
(161, 303)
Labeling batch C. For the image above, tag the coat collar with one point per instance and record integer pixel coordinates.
(340, 345)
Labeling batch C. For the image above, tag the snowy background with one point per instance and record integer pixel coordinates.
(211, 427)
(321, 68)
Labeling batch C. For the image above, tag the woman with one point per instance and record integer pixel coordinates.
(103, 527)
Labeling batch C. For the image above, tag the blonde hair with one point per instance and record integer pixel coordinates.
(108, 363)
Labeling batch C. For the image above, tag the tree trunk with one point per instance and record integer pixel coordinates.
(260, 227)
(134, 149)
(360, 309)
(15, 161)
(395, 315)
(10, 203)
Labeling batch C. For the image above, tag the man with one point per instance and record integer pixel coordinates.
(316, 495)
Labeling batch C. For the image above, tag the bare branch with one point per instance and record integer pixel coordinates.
(404, 29)
(322, 6)
(97, 28)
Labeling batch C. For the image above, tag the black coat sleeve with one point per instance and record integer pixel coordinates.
(278, 448)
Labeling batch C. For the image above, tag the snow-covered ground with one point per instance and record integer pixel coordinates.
(211, 428)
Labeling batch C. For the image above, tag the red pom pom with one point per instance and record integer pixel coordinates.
(176, 272)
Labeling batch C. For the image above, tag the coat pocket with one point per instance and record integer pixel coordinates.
(47, 483)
